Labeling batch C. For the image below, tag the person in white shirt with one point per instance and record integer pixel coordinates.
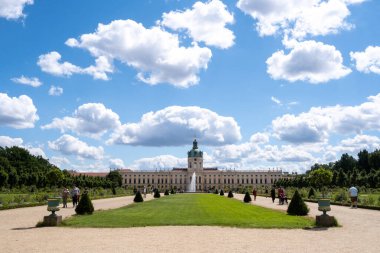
(353, 192)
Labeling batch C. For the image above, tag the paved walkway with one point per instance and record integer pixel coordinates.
(359, 233)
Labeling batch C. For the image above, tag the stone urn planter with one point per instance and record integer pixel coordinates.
(53, 219)
(324, 220)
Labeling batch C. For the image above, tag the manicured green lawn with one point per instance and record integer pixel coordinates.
(190, 209)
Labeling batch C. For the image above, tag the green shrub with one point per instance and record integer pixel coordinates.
(216, 191)
(166, 192)
(138, 197)
(172, 191)
(230, 194)
(156, 194)
(85, 205)
(247, 198)
(221, 192)
(297, 206)
(311, 193)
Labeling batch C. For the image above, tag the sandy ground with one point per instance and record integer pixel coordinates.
(359, 233)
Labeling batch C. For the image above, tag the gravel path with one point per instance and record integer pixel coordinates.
(359, 233)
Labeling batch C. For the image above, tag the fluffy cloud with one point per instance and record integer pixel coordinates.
(298, 18)
(367, 61)
(204, 22)
(309, 61)
(51, 63)
(6, 141)
(92, 119)
(155, 53)
(31, 81)
(55, 91)
(17, 112)
(176, 125)
(69, 145)
(13, 9)
(159, 162)
(316, 124)
(116, 163)
(59, 161)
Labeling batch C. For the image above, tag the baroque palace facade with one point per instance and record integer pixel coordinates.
(205, 178)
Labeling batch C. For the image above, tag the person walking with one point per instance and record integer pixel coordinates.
(254, 193)
(65, 196)
(353, 192)
(75, 195)
(273, 194)
(144, 192)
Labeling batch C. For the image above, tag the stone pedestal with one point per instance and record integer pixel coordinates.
(52, 220)
(325, 220)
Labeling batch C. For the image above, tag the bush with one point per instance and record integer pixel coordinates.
(221, 193)
(247, 198)
(297, 206)
(172, 192)
(138, 197)
(113, 191)
(216, 191)
(311, 193)
(85, 205)
(156, 194)
(166, 192)
(230, 194)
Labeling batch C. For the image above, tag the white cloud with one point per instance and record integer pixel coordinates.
(367, 61)
(159, 162)
(69, 145)
(36, 151)
(276, 100)
(116, 163)
(55, 91)
(204, 22)
(155, 53)
(91, 119)
(13, 9)
(30, 81)
(51, 63)
(17, 112)
(6, 141)
(310, 61)
(59, 161)
(316, 124)
(259, 138)
(177, 125)
(299, 18)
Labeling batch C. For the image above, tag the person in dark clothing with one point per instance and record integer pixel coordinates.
(273, 194)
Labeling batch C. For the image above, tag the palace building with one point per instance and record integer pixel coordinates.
(198, 178)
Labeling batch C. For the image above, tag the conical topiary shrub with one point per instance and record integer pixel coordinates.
(297, 206)
(138, 197)
(221, 193)
(230, 194)
(172, 191)
(166, 192)
(247, 198)
(156, 194)
(216, 191)
(311, 193)
(85, 205)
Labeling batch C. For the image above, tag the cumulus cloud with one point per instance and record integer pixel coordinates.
(155, 53)
(17, 112)
(55, 91)
(6, 141)
(116, 163)
(205, 22)
(59, 161)
(316, 124)
(367, 61)
(310, 61)
(13, 9)
(51, 63)
(30, 81)
(299, 18)
(177, 125)
(159, 162)
(91, 119)
(69, 145)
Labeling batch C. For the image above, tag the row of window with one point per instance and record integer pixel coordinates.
(199, 180)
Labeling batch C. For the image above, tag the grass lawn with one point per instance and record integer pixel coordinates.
(190, 209)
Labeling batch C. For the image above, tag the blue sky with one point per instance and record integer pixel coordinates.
(97, 84)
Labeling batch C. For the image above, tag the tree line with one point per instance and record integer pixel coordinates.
(18, 168)
(347, 171)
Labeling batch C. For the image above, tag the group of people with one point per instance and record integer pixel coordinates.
(74, 194)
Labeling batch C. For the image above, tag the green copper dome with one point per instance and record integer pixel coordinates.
(195, 152)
